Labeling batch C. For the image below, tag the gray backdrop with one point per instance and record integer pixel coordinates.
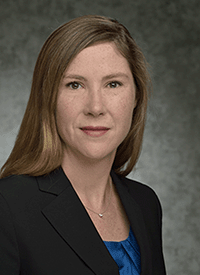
(169, 34)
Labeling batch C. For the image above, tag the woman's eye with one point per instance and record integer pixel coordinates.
(74, 85)
(114, 84)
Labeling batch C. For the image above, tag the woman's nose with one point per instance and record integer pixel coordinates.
(95, 103)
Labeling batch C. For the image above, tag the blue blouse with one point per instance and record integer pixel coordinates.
(126, 254)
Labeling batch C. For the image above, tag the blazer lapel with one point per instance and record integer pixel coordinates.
(136, 219)
(68, 216)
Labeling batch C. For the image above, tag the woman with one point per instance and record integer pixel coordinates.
(66, 205)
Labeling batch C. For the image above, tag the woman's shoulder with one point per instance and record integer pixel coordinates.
(137, 186)
(15, 187)
(14, 180)
(142, 193)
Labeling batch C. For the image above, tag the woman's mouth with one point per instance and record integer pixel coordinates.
(95, 131)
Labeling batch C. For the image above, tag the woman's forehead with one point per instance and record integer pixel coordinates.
(101, 57)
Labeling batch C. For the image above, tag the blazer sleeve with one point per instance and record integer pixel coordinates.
(9, 254)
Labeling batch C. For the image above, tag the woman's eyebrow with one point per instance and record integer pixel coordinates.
(110, 76)
(73, 76)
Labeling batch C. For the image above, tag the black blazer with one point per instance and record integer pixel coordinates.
(45, 230)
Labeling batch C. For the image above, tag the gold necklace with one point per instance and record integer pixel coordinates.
(101, 214)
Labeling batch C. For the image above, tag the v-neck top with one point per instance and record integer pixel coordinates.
(126, 254)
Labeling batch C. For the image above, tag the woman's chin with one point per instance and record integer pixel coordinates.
(92, 154)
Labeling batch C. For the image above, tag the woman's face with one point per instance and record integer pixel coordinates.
(95, 103)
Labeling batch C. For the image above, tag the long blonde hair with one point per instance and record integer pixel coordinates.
(38, 149)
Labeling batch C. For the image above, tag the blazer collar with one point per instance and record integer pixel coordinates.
(136, 220)
(68, 216)
(79, 231)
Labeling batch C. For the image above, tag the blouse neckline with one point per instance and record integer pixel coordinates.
(122, 240)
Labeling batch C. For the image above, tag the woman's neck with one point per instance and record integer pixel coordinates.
(90, 179)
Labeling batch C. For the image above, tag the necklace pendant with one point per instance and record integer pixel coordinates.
(100, 215)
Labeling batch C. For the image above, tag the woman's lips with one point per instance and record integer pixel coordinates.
(97, 131)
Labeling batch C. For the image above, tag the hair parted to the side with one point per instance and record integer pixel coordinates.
(38, 149)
